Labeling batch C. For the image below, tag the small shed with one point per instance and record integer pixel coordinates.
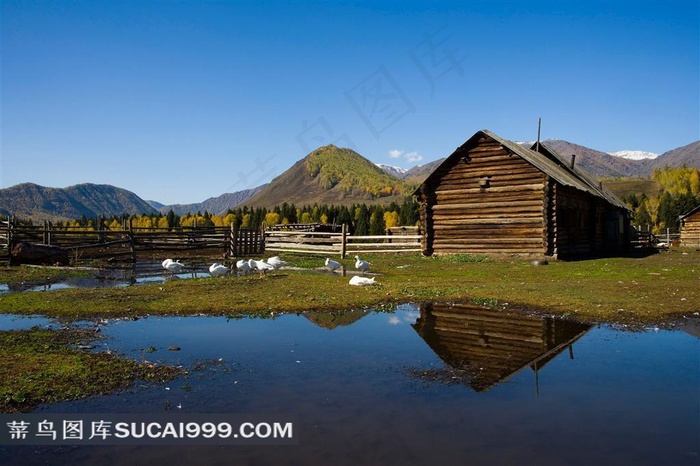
(690, 228)
(495, 196)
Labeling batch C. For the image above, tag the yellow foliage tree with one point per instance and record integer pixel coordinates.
(652, 205)
(229, 219)
(391, 219)
(272, 218)
(678, 180)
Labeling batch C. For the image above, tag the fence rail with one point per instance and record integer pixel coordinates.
(310, 242)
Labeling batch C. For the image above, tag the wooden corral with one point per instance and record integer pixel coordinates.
(496, 196)
(486, 347)
(690, 229)
(128, 243)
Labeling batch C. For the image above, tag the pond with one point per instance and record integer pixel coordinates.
(428, 384)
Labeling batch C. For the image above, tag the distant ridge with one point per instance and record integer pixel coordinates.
(602, 164)
(213, 205)
(35, 202)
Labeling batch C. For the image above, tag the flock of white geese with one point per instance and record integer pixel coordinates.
(243, 267)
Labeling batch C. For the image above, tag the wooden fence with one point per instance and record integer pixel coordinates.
(646, 239)
(401, 239)
(5, 240)
(127, 243)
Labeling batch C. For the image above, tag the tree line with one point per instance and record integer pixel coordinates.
(679, 194)
(361, 219)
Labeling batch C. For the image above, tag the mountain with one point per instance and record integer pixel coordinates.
(332, 175)
(688, 155)
(31, 201)
(155, 204)
(598, 163)
(420, 172)
(214, 205)
(398, 172)
(604, 165)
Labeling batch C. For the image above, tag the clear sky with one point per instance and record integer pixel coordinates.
(180, 102)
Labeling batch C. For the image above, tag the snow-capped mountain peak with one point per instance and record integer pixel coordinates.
(392, 170)
(634, 154)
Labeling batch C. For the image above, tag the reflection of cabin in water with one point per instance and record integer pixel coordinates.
(492, 195)
(486, 347)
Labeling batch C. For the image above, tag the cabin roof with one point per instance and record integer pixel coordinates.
(688, 214)
(547, 161)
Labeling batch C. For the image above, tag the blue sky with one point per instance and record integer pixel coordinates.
(180, 102)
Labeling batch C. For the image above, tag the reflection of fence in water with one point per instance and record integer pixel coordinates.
(486, 347)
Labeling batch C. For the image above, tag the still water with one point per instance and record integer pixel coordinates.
(427, 384)
(141, 272)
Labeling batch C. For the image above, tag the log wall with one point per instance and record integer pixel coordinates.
(485, 201)
(690, 231)
(586, 225)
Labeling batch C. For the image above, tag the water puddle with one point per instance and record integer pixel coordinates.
(141, 273)
(426, 384)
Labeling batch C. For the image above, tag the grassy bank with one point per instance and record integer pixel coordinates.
(43, 366)
(652, 289)
(41, 275)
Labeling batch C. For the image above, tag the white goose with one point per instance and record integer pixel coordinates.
(361, 281)
(362, 266)
(261, 266)
(276, 262)
(332, 265)
(242, 267)
(172, 266)
(217, 270)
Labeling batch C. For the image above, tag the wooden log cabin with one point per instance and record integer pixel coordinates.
(690, 229)
(495, 196)
(486, 347)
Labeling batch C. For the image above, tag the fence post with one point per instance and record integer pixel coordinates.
(343, 239)
(262, 237)
(234, 241)
(10, 234)
(100, 229)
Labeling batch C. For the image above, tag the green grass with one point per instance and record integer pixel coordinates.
(656, 288)
(39, 275)
(42, 366)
